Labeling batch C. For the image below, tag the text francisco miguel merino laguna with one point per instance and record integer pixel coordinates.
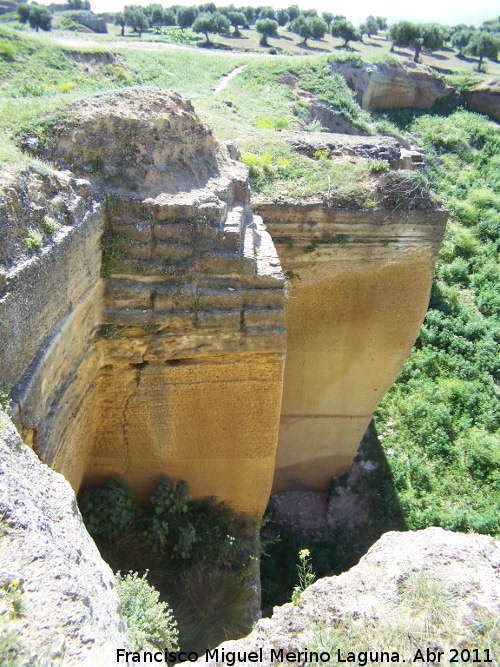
(231, 658)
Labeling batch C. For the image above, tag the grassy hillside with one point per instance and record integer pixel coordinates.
(439, 424)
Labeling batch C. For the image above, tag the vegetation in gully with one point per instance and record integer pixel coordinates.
(435, 437)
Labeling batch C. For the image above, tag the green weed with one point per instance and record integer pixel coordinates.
(149, 621)
(49, 225)
(7, 51)
(33, 240)
(306, 575)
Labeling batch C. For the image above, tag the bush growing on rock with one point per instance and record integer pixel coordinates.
(149, 621)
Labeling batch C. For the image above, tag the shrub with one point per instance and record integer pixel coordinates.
(33, 240)
(108, 511)
(378, 166)
(66, 87)
(466, 213)
(7, 51)
(483, 456)
(465, 243)
(484, 198)
(407, 190)
(265, 123)
(49, 225)
(149, 621)
(198, 553)
(456, 272)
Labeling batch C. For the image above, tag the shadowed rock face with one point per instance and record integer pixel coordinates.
(149, 328)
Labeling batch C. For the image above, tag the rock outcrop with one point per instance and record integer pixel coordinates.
(360, 285)
(173, 363)
(68, 612)
(382, 86)
(417, 590)
(148, 304)
(485, 98)
(89, 20)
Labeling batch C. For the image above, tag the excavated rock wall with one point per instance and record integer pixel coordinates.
(50, 306)
(167, 357)
(166, 354)
(485, 98)
(401, 86)
(359, 290)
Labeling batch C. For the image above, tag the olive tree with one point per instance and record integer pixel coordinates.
(417, 36)
(344, 29)
(282, 17)
(135, 18)
(215, 23)
(309, 28)
(119, 19)
(267, 28)
(40, 17)
(483, 45)
(237, 19)
(186, 16)
(461, 38)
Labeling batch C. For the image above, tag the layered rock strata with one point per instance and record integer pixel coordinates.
(149, 307)
(173, 363)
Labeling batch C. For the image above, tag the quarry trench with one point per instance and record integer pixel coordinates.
(185, 337)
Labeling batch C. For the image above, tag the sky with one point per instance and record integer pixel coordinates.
(442, 11)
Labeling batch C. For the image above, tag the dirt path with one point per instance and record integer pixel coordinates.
(226, 78)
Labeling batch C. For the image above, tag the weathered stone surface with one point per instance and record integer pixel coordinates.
(401, 86)
(89, 20)
(141, 140)
(485, 98)
(384, 148)
(462, 570)
(166, 367)
(72, 614)
(331, 120)
(359, 290)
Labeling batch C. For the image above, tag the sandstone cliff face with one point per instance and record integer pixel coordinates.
(485, 98)
(172, 365)
(71, 610)
(411, 591)
(151, 324)
(382, 86)
(359, 286)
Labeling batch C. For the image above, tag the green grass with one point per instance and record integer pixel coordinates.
(275, 169)
(51, 77)
(439, 423)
